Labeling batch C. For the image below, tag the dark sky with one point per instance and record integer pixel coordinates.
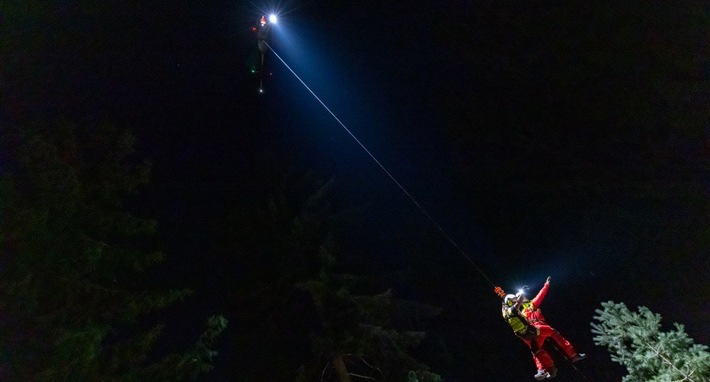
(543, 139)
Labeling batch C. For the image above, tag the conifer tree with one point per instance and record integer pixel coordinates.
(74, 259)
(293, 297)
(263, 252)
(636, 341)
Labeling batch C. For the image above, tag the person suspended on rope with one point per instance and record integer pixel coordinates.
(528, 323)
(262, 33)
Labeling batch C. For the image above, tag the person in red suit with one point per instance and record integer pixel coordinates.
(518, 304)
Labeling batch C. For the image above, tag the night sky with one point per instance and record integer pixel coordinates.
(543, 139)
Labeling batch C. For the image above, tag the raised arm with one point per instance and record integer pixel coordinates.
(541, 294)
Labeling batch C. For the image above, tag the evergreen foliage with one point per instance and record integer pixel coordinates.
(73, 271)
(363, 335)
(636, 341)
(257, 266)
(191, 364)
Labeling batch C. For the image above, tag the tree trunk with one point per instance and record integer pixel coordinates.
(341, 372)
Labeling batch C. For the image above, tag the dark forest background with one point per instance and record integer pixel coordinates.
(159, 220)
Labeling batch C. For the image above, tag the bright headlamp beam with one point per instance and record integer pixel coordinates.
(273, 19)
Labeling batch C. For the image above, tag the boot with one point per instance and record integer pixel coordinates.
(541, 375)
(578, 357)
(552, 373)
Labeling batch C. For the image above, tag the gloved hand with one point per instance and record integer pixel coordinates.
(548, 279)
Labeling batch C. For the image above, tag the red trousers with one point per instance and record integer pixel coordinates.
(542, 358)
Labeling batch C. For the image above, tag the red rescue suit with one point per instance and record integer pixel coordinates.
(531, 311)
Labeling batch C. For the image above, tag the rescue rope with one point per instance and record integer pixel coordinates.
(389, 174)
(497, 290)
